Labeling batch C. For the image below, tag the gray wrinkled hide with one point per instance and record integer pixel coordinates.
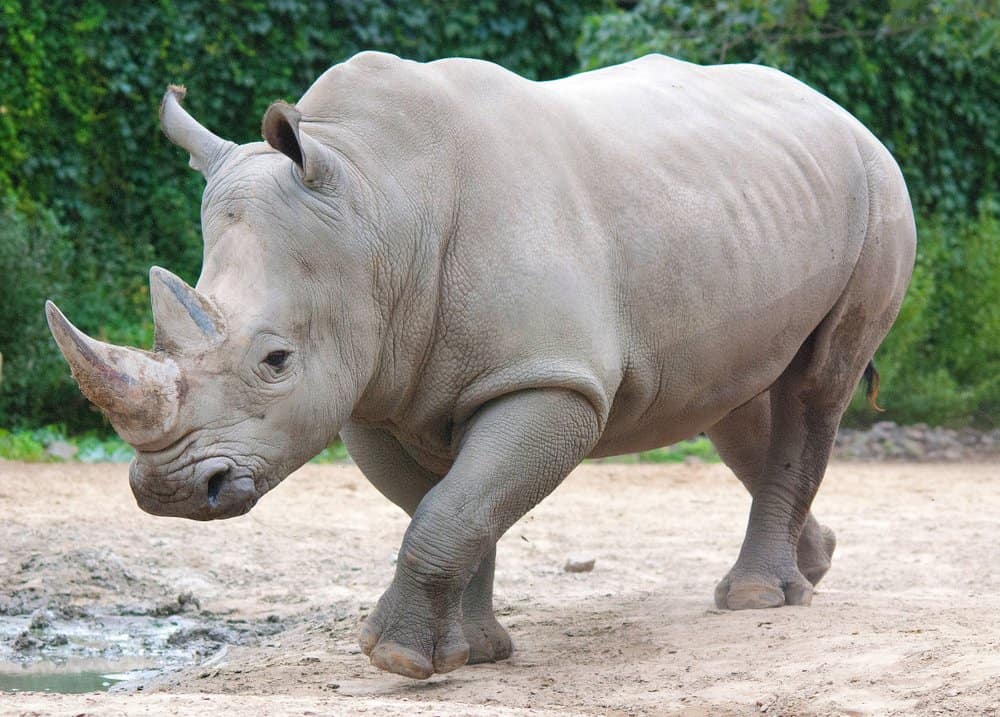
(481, 280)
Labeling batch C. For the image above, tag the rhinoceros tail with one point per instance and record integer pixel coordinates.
(871, 386)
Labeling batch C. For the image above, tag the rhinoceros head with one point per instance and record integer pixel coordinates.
(254, 370)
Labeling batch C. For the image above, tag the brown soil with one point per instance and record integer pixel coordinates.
(907, 622)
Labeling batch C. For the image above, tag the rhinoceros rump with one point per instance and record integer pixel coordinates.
(478, 281)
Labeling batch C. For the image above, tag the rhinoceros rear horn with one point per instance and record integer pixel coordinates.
(139, 393)
(183, 317)
(318, 165)
(207, 150)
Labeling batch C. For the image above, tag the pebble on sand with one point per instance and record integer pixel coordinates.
(578, 564)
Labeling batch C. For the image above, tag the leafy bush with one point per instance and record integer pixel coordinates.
(699, 447)
(940, 362)
(35, 257)
(30, 445)
(92, 194)
(85, 161)
(21, 446)
(922, 76)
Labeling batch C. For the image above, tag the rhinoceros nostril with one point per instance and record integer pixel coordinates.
(215, 485)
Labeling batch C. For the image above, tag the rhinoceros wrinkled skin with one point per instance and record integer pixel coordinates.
(479, 280)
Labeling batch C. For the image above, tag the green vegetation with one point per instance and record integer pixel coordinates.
(923, 77)
(30, 445)
(699, 448)
(91, 193)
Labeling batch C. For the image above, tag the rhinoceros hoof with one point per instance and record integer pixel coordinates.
(488, 641)
(816, 554)
(750, 592)
(399, 642)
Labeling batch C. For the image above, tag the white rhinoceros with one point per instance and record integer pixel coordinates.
(478, 281)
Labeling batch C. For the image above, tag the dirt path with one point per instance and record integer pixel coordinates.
(907, 622)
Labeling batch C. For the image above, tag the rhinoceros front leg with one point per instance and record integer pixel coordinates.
(512, 453)
(394, 472)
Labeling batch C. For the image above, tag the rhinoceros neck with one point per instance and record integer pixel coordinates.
(392, 120)
(408, 235)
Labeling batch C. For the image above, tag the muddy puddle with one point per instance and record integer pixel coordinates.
(86, 618)
(75, 675)
(73, 650)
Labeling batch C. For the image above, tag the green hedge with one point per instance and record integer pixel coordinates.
(101, 195)
(91, 193)
(940, 363)
(923, 77)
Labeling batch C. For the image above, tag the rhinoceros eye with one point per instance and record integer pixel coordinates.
(276, 359)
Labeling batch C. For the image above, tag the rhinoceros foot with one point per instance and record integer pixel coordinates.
(400, 638)
(488, 641)
(816, 548)
(747, 591)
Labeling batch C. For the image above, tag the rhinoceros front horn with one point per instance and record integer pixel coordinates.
(207, 150)
(138, 392)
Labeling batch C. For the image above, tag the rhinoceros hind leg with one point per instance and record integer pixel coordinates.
(806, 404)
(816, 546)
(767, 572)
(488, 641)
(807, 401)
(742, 440)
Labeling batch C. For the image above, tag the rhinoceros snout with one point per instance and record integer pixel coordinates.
(215, 490)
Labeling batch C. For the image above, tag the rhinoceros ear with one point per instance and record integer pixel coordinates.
(318, 165)
(207, 150)
(182, 316)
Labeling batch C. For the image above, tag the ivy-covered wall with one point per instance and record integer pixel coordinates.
(924, 76)
(92, 194)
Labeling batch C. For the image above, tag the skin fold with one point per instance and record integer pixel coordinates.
(478, 281)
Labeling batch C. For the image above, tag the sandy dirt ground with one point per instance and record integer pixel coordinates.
(906, 622)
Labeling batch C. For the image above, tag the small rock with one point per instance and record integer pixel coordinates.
(579, 564)
(25, 642)
(913, 448)
(62, 450)
(185, 601)
(39, 620)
